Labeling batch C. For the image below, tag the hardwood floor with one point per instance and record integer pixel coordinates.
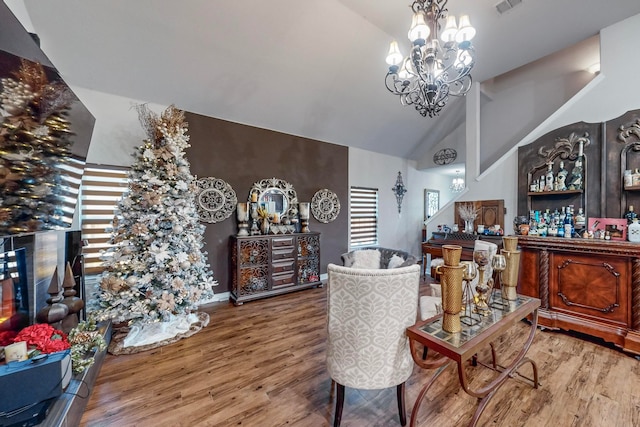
(262, 365)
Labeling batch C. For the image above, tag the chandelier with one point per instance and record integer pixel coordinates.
(457, 185)
(434, 69)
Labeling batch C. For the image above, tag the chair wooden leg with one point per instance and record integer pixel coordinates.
(339, 403)
(401, 409)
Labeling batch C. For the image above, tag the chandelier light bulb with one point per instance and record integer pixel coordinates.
(419, 29)
(466, 31)
(450, 30)
(394, 57)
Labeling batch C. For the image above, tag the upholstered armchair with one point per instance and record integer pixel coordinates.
(368, 311)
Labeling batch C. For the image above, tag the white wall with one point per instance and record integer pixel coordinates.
(374, 170)
(117, 130)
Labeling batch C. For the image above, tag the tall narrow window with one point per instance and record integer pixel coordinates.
(102, 188)
(364, 216)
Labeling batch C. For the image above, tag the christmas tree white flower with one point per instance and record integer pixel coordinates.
(157, 267)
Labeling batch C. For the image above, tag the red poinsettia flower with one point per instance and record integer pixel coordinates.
(6, 338)
(44, 338)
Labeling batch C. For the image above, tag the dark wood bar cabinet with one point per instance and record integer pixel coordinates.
(585, 285)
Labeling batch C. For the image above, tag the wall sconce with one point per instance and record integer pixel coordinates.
(399, 190)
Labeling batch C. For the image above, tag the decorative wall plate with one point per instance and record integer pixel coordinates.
(216, 200)
(445, 156)
(325, 205)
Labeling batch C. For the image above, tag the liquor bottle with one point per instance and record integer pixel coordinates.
(549, 178)
(562, 177)
(580, 220)
(533, 223)
(568, 223)
(542, 228)
(630, 215)
(633, 231)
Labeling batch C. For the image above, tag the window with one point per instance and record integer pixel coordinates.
(364, 216)
(102, 188)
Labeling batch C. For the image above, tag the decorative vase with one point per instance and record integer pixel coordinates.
(509, 277)
(264, 227)
(451, 254)
(510, 243)
(451, 274)
(468, 226)
(451, 285)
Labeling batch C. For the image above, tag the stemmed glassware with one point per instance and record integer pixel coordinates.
(469, 273)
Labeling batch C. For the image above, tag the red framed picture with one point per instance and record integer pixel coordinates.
(617, 227)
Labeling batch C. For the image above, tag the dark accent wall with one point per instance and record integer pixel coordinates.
(241, 155)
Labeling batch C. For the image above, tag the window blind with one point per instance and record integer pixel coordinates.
(102, 188)
(363, 216)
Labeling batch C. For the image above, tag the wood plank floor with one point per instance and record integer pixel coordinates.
(262, 365)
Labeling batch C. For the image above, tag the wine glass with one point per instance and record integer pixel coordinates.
(470, 271)
(499, 262)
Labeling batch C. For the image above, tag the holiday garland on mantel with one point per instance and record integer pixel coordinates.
(157, 267)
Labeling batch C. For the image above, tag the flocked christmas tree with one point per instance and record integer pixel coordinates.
(157, 268)
(34, 145)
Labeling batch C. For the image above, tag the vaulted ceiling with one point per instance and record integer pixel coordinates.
(313, 68)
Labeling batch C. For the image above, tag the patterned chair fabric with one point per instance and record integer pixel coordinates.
(368, 313)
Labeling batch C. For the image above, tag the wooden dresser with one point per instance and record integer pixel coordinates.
(585, 285)
(268, 265)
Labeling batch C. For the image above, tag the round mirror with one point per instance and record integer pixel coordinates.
(274, 201)
(276, 196)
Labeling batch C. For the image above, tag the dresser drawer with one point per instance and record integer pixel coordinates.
(283, 279)
(283, 253)
(279, 267)
(277, 242)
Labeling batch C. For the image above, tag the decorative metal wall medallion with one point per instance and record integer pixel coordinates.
(445, 156)
(325, 205)
(216, 200)
(399, 190)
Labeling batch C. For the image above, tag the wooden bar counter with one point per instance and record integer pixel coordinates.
(585, 285)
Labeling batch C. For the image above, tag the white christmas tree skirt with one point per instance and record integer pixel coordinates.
(148, 336)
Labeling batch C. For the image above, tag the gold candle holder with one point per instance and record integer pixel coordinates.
(481, 257)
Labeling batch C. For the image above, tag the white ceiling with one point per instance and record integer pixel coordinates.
(313, 68)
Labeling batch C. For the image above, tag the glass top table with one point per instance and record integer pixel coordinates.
(499, 310)
(463, 346)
